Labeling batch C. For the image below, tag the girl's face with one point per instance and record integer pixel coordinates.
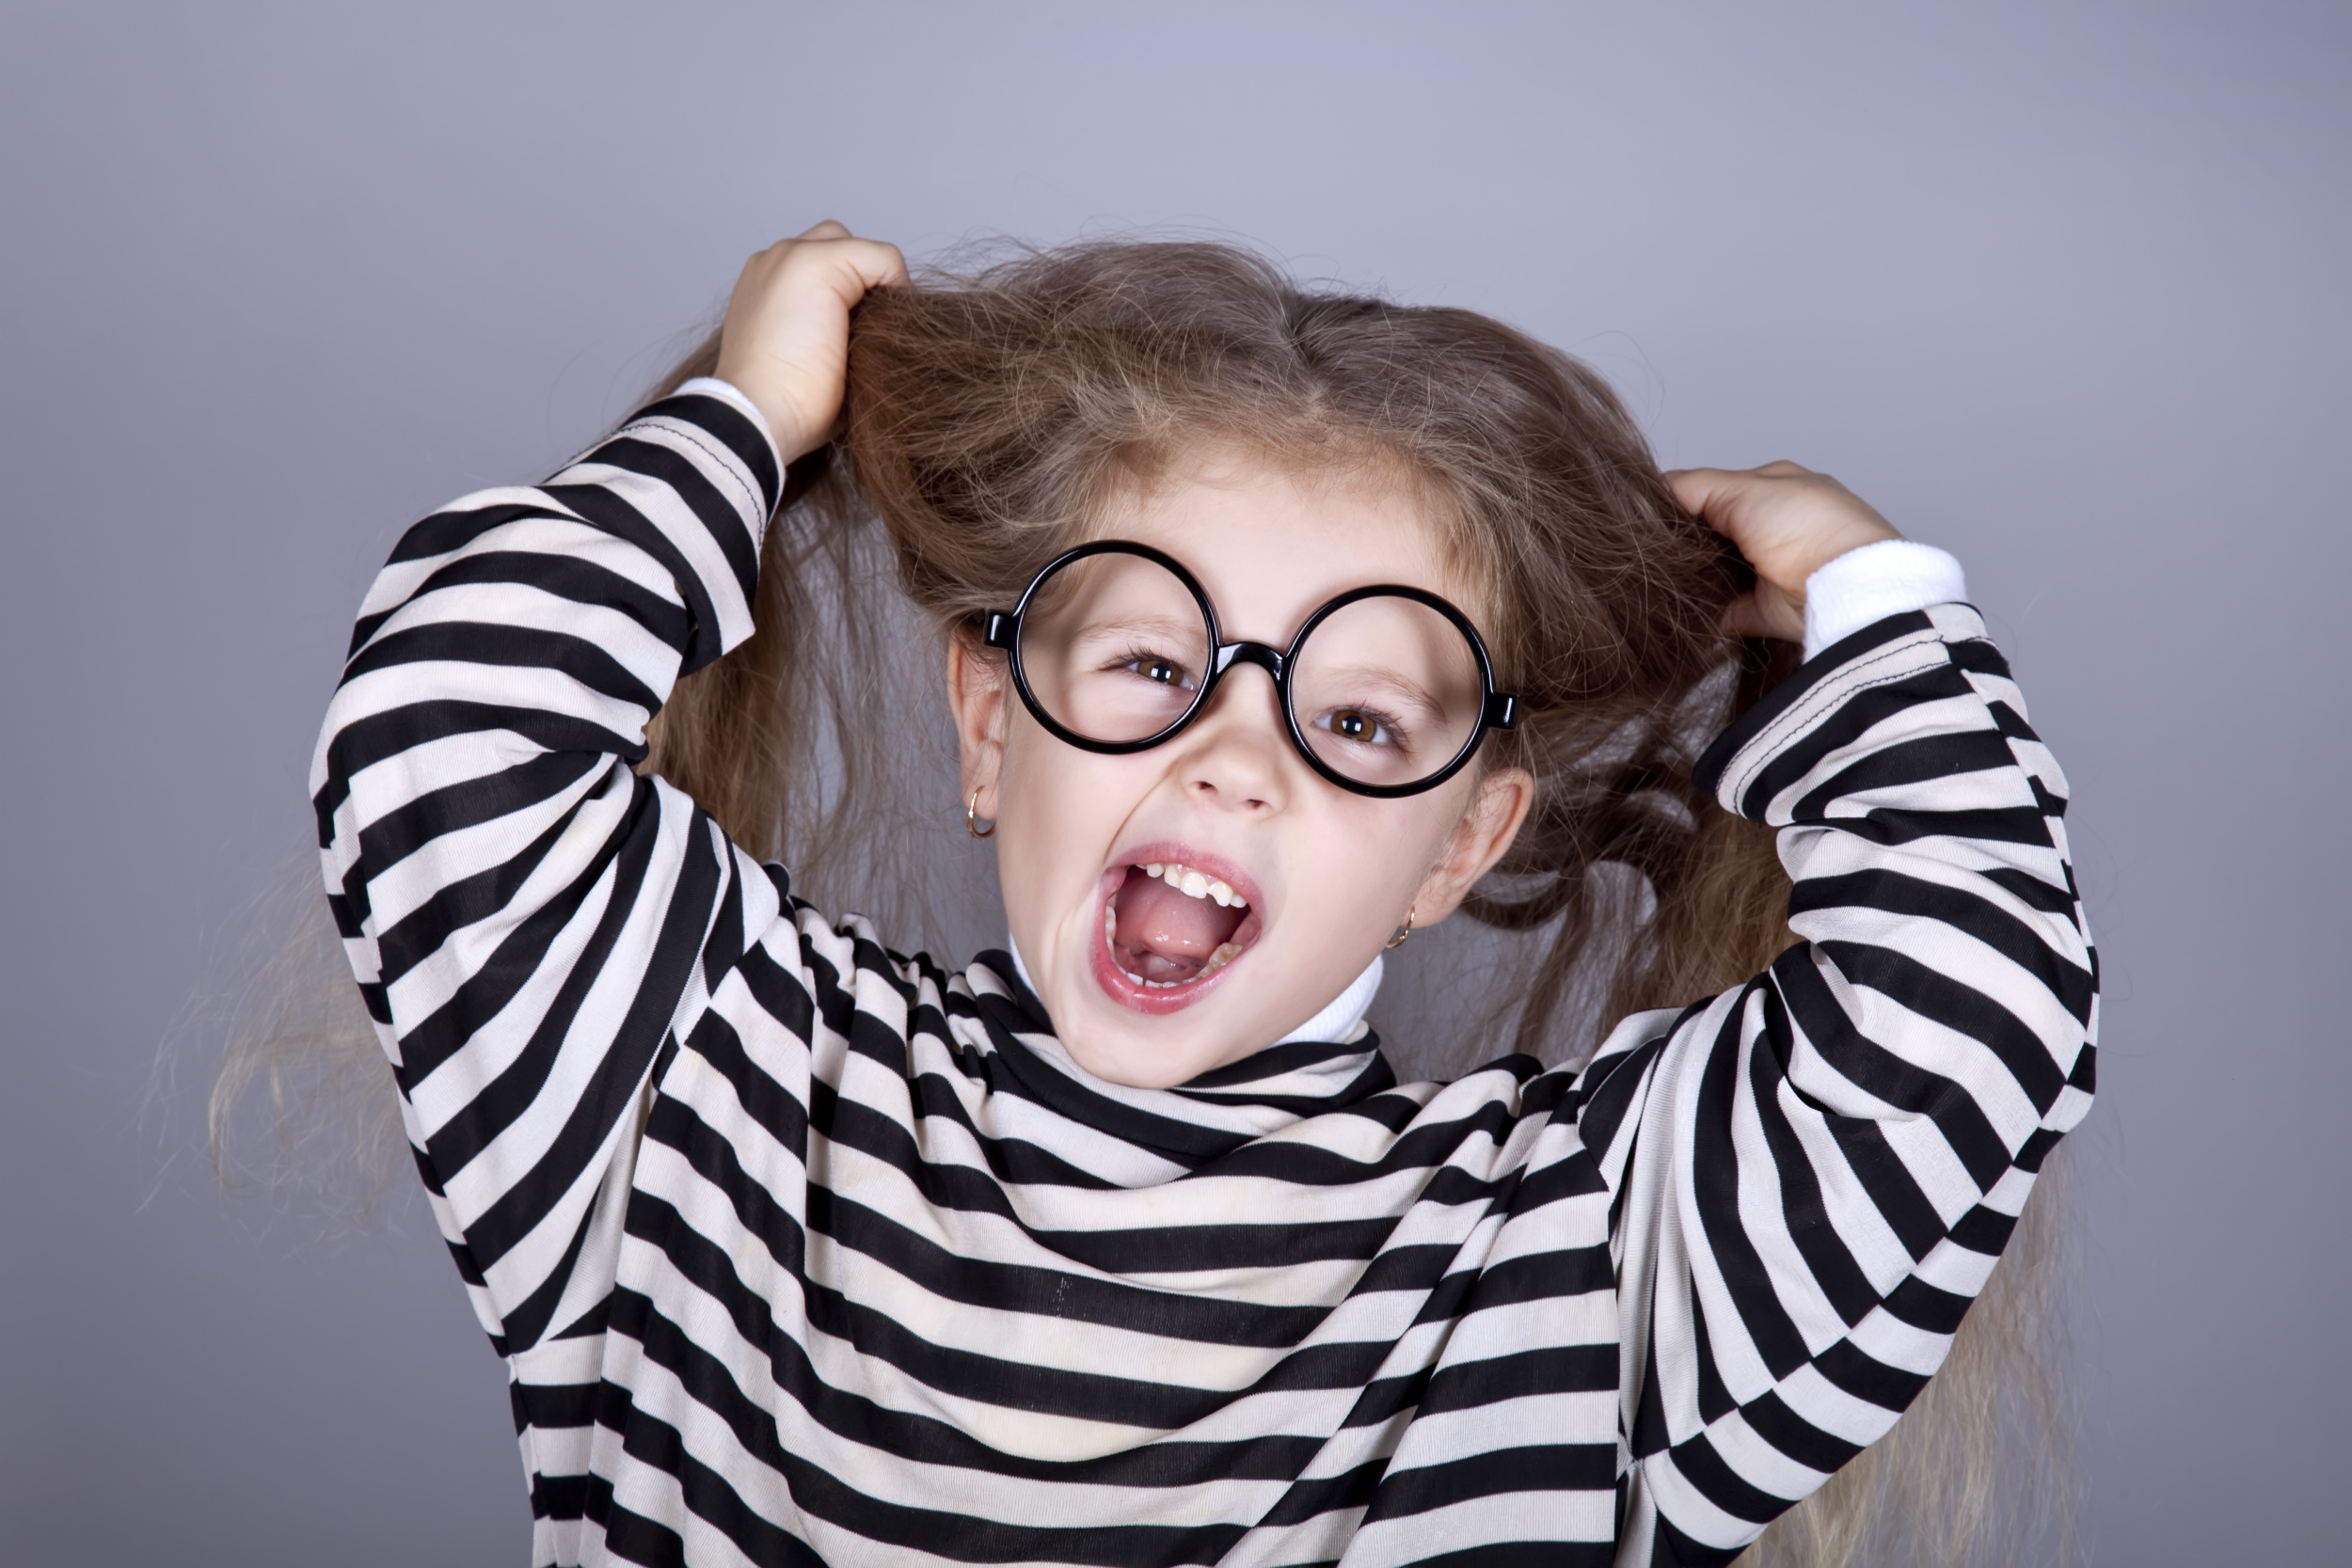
(1291, 881)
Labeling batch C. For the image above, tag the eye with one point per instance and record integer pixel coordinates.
(1158, 669)
(1363, 726)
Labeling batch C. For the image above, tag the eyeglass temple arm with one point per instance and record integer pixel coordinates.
(1501, 712)
(1000, 632)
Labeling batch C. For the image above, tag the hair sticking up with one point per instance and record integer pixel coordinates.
(992, 416)
(997, 411)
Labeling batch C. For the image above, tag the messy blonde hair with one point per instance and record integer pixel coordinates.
(994, 409)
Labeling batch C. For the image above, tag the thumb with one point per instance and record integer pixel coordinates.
(1764, 611)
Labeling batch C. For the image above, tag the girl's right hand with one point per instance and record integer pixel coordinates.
(785, 344)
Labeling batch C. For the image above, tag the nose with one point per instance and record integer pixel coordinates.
(1236, 755)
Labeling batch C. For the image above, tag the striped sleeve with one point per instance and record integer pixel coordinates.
(524, 913)
(1816, 1171)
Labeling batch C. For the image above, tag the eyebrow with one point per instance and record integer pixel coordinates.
(1411, 690)
(1125, 623)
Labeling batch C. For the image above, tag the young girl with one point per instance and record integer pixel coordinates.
(1280, 625)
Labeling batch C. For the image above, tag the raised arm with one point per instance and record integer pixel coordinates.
(525, 913)
(1817, 1170)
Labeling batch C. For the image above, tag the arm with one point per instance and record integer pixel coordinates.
(1816, 1172)
(529, 919)
(523, 912)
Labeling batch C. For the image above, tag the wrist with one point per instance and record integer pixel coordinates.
(778, 412)
(1864, 585)
(742, 403)
(1861, 533)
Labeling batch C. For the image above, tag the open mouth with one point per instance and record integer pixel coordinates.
(1169, 927)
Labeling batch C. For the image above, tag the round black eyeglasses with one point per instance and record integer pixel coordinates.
(1385, 691)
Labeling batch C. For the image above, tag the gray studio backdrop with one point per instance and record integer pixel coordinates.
(2060, 287)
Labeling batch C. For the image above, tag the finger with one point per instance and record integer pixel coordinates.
(831, 229)
(1709, 494)
(871, 262)
(883, 263)
(1780, 468)
(844, 268)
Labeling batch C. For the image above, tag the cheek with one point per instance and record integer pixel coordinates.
(1058, 809)
(1354, 868)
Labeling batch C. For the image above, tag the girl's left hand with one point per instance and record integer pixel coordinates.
(1789, 522)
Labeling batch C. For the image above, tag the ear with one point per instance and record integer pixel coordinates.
(977, 691)
(1491, 822)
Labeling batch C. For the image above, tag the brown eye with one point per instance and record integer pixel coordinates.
(1362, 726)
(1158, 669)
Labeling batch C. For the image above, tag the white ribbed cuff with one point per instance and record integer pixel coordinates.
(1869, 584)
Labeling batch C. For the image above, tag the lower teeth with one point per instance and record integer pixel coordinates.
(1226, 953)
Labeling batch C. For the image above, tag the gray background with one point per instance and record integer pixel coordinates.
(2060, 287)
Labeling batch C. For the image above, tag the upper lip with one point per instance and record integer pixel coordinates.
(1170, 851)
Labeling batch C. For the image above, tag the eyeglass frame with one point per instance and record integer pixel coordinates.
(1497, 711)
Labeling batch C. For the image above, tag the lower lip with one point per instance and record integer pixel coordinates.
(1129, 992)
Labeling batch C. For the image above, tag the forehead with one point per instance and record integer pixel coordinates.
(1271, 546)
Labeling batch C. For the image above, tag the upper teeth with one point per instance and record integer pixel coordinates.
(1193, 884)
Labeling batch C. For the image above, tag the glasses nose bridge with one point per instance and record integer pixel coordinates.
(1222, 658)
(1267, 659)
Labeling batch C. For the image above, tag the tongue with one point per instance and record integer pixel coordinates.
(1161, 934)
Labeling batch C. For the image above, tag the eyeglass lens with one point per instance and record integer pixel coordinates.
(1386, 690)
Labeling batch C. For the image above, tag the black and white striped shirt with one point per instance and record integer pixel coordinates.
(801, 1251)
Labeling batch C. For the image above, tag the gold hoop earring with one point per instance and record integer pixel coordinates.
(1399, 939)
(972, 819)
